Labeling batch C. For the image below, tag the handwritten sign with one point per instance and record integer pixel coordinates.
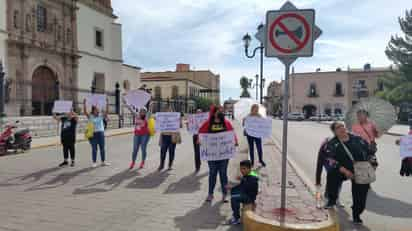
(97, 100)
(62, 106)
(217, 146)
(258, 127)
(194, 121)
(167, 121)
(137, 98)
(406, 146)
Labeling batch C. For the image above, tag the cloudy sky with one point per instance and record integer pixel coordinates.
(157, 34)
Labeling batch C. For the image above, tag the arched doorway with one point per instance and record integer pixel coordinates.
(44, 91)
(309, 111)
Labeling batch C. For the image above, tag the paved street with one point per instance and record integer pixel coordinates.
(389, 205)
(36, 195)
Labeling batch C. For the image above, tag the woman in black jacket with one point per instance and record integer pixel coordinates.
(344, 165)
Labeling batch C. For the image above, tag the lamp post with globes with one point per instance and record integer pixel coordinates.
(247, 39)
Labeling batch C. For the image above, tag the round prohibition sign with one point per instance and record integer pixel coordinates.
(300, 43)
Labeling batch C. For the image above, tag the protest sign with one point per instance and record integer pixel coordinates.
(167, 121)
(406, 146)
(137, 98)
(258, 127)
(61, 106)
(194, 121)
(98, 100)
(217, 146)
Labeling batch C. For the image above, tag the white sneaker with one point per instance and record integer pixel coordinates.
(340, 204)
(105, 164)
(94, 165)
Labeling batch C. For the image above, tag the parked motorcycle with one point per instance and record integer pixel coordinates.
(14, 140)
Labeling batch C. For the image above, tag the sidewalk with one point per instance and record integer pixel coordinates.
(300, 201)
(50, 141)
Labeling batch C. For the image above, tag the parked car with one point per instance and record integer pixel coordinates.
(321, 117)
(338, 117)
(297, 116)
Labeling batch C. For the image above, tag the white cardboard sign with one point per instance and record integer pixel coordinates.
(167, 121)
(195, 121)
(258, 127)
(98, 100)
(137, 98)
(406, 146)
(62, 106)
(217, 146)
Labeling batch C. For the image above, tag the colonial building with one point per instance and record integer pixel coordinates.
(182, 85)
(273, 98)
(59, 49)
(332, 92)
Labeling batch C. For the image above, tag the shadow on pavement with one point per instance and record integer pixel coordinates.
(345, 222)
(388, 206)
(108, 184)
(206, 217)
(150, 181)
(29, 178)
(187, 184)
(59, 180)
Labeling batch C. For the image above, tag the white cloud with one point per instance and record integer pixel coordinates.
(207, 34)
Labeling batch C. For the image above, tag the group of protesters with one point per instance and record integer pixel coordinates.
(245, 192)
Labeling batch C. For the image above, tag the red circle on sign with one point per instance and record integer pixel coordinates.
(278, 22)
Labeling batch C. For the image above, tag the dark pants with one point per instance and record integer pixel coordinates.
(333, 184)
(215, 168)
(69, 148)
(258, 141)
(196, 147)
(237, 198)
(359, 196)
(98, 141)
(167, 145)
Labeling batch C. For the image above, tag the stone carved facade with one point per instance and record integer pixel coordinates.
(41, 34)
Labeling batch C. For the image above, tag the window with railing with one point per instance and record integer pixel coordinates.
(313, 91)
(339, 90)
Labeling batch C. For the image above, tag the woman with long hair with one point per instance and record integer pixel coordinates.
(217, 123)
(168, 142)
(254, 112)
(141, 137)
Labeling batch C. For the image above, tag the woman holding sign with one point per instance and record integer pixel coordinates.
(97, 140)
(254, 112)
(168, 141)
(216, 124)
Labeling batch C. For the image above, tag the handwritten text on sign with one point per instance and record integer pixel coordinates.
(406, 146)
(195, 121)
(61, 106)
(258, 127)
(217, 146)
(167, 121)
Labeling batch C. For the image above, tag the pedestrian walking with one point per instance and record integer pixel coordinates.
(141, 136)
(254, 112)
(217, 123)
(97, 141)
(326, 161)
(68, 136)
(366, 129)
(245, 192)
(196, 148)
(167, 143)
(348, 151)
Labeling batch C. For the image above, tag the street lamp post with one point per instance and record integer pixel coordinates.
(247, 39)
(1, 89)
(254, 85)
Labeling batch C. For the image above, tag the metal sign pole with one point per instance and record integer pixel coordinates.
(285, 133)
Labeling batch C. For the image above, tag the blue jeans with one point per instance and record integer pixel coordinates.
(98, 140)
(218, 167)
(258, 141)
(137, 141)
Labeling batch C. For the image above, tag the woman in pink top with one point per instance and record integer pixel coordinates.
(141, 137)
(365, 128)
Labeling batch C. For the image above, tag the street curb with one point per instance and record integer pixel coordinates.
(41, 146)
(252, 221)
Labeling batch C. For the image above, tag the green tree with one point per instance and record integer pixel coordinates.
(244, 84)
(397, 86)
(203, 103)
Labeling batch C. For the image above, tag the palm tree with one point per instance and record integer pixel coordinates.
(244, 84)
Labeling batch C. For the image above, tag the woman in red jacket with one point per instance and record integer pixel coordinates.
(217, 123)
